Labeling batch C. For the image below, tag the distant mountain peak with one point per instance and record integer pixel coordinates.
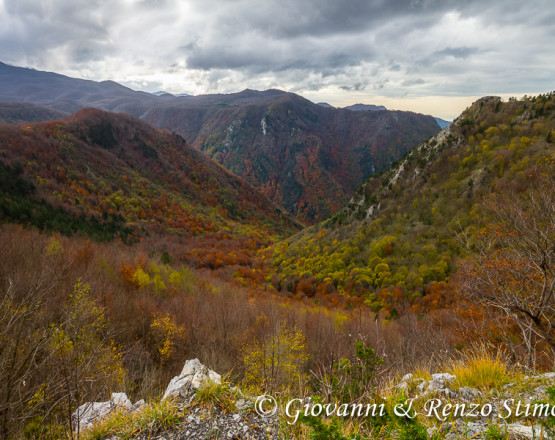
(442, 122)
(365, 107)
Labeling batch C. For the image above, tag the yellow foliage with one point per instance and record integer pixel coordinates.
(54, 247)
(492, 131)
(39, 396)
(166, 334)
(276, 361)
(340, 319)
(141, 277)
(159, 284)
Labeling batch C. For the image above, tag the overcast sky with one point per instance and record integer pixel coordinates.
(429, 56)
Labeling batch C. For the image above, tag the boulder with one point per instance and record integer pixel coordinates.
(138, 406)
(192, 377)
(407, 377)
(403, 385)
(122, 401)
(86, 415)
(421, 388)
(531, 432)
(550, 375)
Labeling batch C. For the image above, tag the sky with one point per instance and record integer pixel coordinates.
(429, 56)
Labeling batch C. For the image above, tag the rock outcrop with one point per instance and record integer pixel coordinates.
(89, 413)
(198, 420)
(206, 415)
(193, 376)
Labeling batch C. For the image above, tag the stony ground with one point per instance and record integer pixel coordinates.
(232, 416)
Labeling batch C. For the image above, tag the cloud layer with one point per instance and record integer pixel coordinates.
(339, 50)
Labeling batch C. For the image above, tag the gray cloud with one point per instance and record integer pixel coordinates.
(413, 82)
(382, 47)
(457, 52)
(357, 87)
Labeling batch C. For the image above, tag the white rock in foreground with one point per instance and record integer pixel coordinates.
(87, 414)
(531, 432)
(193, 374)
(122, 401)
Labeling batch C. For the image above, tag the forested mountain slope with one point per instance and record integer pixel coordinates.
(14, 112)
(399, 236)
(304, 157)
(112, 175)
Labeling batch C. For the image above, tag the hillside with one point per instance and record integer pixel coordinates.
(91, 320)
(111, 175)
(365, 107)
(398, 238)
(304, 157)
(63, 93)
(14, 112)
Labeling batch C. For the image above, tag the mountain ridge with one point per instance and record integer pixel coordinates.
(292, 166)
(398, 230)
(95, 166)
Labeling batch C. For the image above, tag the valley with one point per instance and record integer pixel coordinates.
(302, 249)
(304, 157)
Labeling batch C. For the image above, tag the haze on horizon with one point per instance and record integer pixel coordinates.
(428, 56)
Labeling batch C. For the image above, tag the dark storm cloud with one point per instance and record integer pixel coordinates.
(391, 46)
(357, 87)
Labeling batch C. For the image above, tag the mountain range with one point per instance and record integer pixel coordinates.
(304, 157)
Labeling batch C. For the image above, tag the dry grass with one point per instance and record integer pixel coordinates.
(480, 368)
(125, 425)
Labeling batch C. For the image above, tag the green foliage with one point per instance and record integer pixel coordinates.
(323, 431)
(102, 135)
(400, 230)
(549, 422)
(356, 378)
(412, 430)
(166, 258)
(494, 432)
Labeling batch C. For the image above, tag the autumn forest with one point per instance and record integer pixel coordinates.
(127, 249)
